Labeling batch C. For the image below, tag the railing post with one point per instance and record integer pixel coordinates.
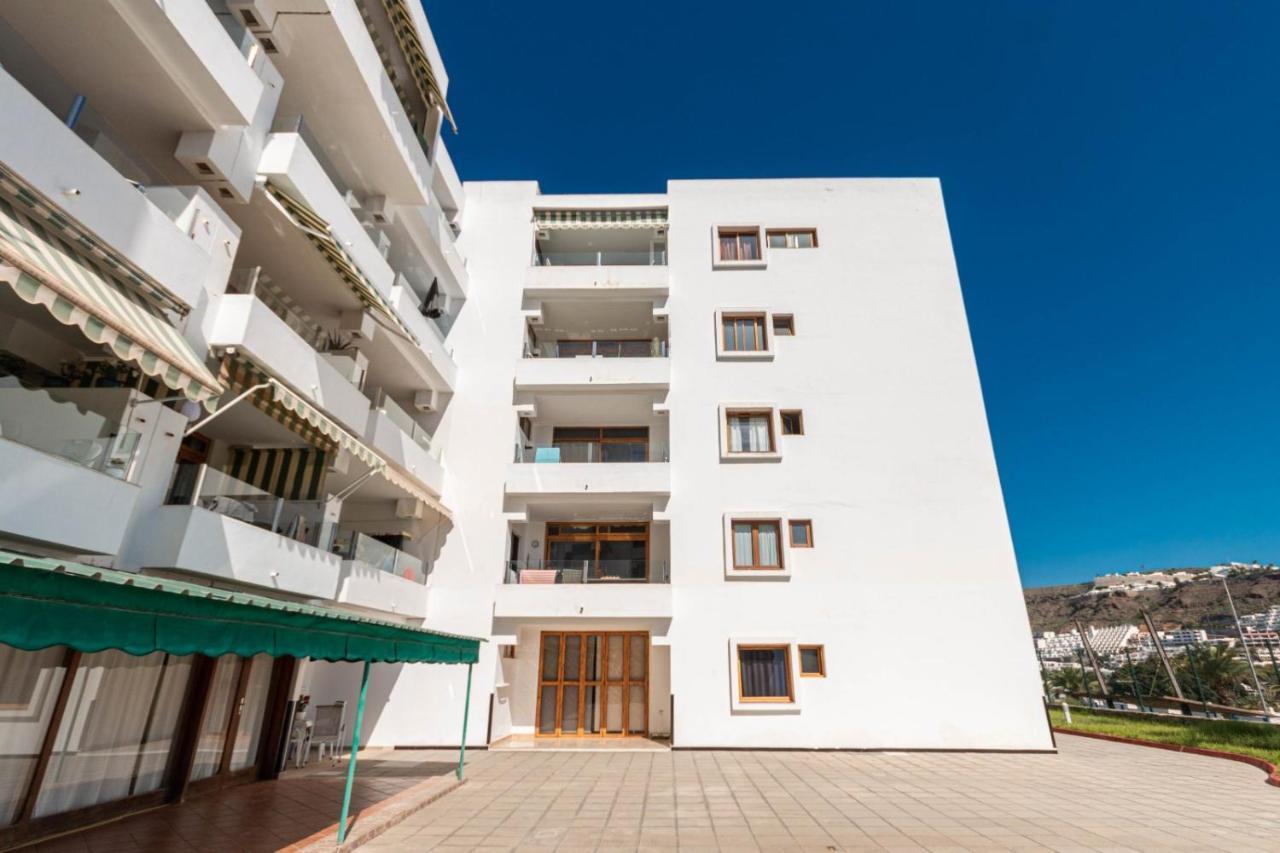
(466, 711)
(199, 484)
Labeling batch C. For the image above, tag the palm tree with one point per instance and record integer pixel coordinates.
(1221, 673)
(1067, 681)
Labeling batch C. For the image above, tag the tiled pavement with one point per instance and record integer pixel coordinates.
(1093, 795)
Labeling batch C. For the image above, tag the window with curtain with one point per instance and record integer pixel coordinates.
(739, 244)
(764, 674)
(744, 333)
(217, 716)
(756, 545)
(119, 715)
(249, 732)
(750, 432)
(29, 684)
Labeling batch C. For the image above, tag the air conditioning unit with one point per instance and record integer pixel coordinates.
(426, 401)
(339, 462)
(275, 43)
(217, 158)
(358, 324)
(661, 231)
(544, 234)
(258, 16)
(410, 508)
(377, 211)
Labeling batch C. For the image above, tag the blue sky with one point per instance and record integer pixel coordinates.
(1112, 176)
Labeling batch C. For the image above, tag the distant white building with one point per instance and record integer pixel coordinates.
(1266, 621)
(1183, 637)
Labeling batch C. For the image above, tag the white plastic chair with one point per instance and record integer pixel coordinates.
(329, 728)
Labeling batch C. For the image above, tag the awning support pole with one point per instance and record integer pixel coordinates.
(200, 424)
(466, 711)
(355, 748)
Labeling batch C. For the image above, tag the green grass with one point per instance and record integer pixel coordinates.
(1256, 739)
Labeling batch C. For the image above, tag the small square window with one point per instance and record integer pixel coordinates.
(792, 422)
(756, 545)
(738, 244)
(784, 324)
(793, 238)
(764, 674)
(801, 533)
(813, 662)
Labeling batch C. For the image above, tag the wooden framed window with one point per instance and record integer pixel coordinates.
(784, 324)
(764, 674)
(738, 243)
(801, 533)
(757, 545)
(749, 432)
(792, 421)
(793, 238)
(744, 333)
(813, 661)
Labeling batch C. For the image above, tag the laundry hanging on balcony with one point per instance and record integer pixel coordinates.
(50, 261)
(638, 218)
(321, 236)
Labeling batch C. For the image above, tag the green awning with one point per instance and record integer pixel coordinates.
(45, 602)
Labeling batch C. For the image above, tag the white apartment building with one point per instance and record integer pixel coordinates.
(683, 460)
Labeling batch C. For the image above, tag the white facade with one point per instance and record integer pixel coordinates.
(533, 398)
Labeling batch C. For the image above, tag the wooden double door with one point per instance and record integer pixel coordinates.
(593, 683)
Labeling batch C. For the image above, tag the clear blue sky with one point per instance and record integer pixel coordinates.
(1112, 177)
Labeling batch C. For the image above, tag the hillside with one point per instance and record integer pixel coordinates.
(1192, 605)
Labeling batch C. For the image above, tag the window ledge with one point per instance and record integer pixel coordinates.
(732, 574)
(749, 355)
(728, 456)
(739, 265)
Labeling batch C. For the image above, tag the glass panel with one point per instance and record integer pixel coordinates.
(613, 708)
(166, 709)
(635, 710)
(591, 709)
(98, 743)
(572, 656)
(764, 673)
(750, 245)
(800, 533)
(547, 710)
(569, 712)
(622, 560)
(213, 731)
(29, 683)
(593, 670)
(615, 659)
(804, 240)
(742, 555)
(550, 657)
(573, 349)
(777, 240)
(252, 713)
(81, 425)
(810, 660)
(636, 647)
(768, 544)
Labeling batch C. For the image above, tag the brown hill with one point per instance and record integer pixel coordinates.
(1200, 604)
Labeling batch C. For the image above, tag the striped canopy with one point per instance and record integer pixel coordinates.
(640, 218)
(416, 58)
(47, 260)
(321, 236)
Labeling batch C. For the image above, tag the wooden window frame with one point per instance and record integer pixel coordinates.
(730, 414)
(787, 321)
(808, 526)
(763, 334)
(822, 659)
(597, 537)
(600, 439)
(755, 545)
(798, 414)
(786, 657)
(737, 232)
(787, 233)
(625, 683)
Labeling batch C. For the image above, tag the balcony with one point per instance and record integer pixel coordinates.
(248, 324)
(67, 460)
(586, 571)
(585, 372)
(406, 443)
(377, 576)
(537, 472)
(593, 280)
(594, 590)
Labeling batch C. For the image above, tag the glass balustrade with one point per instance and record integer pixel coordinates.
(210, 489)
(619, 258)
(654, 348)
(586, 571)
(363, 548)
(592, 451)
(80, 425)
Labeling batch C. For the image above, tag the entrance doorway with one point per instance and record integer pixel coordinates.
(593, 683)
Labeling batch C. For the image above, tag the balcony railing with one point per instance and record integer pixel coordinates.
(54, 421)
(599, 349)
(208, 488)
(362, 548)
(592, 451)
(251, 281)
(586, 571)
(637, 258)
(407, 424)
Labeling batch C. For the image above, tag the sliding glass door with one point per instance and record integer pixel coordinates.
(593, 683)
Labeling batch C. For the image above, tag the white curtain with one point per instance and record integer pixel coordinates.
(749, 434)
(245, 750)
(742, 545)
(166, 710)
(213, 731)
(97, 745)
(29, 683)
(768, 534)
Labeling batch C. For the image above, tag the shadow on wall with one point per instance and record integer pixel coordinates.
(328, 682)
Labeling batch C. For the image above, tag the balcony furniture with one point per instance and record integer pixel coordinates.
(547, 454)
(538, 576)
(329, 728)
(571, 576)
(299, 742)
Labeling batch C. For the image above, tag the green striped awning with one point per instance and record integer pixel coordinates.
(416, 58)
(45, 602)
(639, 218)
(293, 411)
(321, 236)
(292, 473)
(46, 261)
